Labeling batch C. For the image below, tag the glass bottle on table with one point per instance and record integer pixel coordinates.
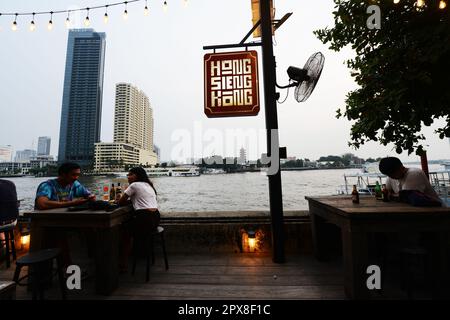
(105, 193)
(378, 193)
(118, 192)
(385, 193)
(112, 193)
(355, 195)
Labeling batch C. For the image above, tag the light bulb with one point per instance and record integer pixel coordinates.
(420, 3)
(442, 4)
(50, 22)
(105, 18)
(125, 12)
(146, 11)
(14, 26)
(87, 22)
(32, 26)
(165, 6)
(186, 2)
(67, 23)
(396, 1)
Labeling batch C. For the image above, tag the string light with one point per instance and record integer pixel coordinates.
(32, 25)
(50, 22)
(105, 17)
(420, 3)
(146, 9)
(125, 12)
(68, 20)
(87, 22)
(14, 24)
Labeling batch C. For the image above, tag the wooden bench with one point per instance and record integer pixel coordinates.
(7, 290)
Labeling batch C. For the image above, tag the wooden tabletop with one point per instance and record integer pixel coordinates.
(369, 206)
(64, 217)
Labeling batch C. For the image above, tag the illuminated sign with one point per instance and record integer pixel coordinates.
(231, 84)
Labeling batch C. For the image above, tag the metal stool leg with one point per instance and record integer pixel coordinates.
(164, 250)
(152, 248)
(150, 244)
(133, 269)
(8, 263)
(17, 274)
(13, 246)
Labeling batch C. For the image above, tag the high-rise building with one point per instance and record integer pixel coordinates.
(82, 97)
(25, 155)
(44, 146)
(133, 132)
(6, 153)
(133, 118)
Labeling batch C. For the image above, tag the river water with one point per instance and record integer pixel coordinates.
(219, 192)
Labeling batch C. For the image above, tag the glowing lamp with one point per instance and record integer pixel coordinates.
(251, 240)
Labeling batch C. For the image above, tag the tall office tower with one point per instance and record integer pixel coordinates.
(133, 118)
(44, 146)
(82, 99)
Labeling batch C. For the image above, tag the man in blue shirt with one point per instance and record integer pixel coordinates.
(64, 191)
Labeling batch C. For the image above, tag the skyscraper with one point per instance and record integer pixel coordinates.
(82, 99)
(133, 119)
(133, 132)
(43, 146)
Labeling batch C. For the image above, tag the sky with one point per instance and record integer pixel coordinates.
(162, 54)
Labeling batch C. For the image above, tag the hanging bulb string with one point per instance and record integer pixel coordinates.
(69, 11)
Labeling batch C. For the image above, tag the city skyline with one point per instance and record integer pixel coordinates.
(162, 54)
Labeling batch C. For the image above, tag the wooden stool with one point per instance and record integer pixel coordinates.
(148, 242)
(40, 271)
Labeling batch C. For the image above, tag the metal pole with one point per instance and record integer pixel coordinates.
(275, 193)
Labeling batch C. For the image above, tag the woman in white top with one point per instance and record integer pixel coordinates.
(142, 195)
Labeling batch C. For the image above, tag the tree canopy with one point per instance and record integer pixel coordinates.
(402, 70)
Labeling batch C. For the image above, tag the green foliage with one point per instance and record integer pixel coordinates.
(293, 164)
(402, 70)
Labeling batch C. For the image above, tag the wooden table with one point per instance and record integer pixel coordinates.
(356, 221)
(106, 228)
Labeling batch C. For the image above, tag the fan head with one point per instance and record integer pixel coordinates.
(306, 78)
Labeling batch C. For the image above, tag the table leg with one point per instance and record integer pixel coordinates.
(440, 266)
(36, 236)
(107, 260)
(319, 236)
(355, 255)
